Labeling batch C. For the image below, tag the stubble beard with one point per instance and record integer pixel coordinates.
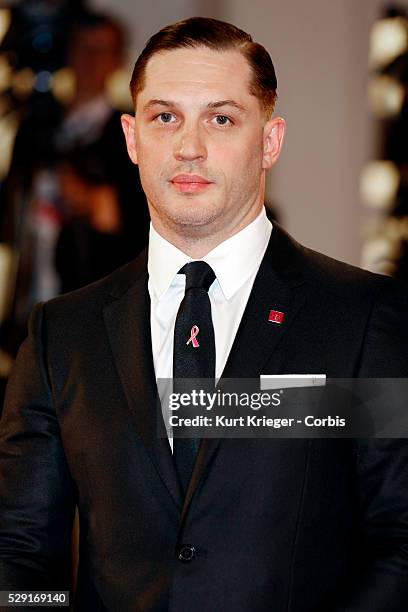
(187, 215)
(193, 220)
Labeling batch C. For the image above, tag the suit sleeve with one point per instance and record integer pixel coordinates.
(37, 495)
(381, 582)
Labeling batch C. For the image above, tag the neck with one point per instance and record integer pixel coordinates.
(197, 245)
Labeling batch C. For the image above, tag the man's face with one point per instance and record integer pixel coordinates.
(202, 142)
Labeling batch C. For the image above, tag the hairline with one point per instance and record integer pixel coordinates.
(229, 46)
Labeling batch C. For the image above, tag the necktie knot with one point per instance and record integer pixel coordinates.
(199, 275)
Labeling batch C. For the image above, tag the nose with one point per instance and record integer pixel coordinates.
(190, 145)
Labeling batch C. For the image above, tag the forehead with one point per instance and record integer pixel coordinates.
(197, 71)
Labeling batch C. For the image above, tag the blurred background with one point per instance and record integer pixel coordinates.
(71, 204)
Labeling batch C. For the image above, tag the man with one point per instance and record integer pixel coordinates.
(259, 525)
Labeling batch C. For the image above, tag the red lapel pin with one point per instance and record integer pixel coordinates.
(275, 316)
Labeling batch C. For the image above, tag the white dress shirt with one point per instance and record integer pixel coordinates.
(235, 263)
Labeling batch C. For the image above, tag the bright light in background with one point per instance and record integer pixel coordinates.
(379, 184)
(5, 18)
(43, 81)
(383, 240)
(5, 73)
(8, 128)
(379, 255)
(386, 96)
(63, 85)
(388, 40)
(23, 82)
(118, 89)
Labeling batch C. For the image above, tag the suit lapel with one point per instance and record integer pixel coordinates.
(257, 337)
(127, 320)
(277, 286)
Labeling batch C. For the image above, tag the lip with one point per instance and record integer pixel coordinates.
(189, 178)
(189, 183)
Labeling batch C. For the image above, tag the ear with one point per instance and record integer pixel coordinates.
(128, 126)
(274, 131)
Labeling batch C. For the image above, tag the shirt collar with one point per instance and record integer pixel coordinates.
(233, 261)
(164, 261)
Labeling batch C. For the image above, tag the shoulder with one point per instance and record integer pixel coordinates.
(359, 302)
(383, 299)
(380, 301)
(351, 310)
(328, 276)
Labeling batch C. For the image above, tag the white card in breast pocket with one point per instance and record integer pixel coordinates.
(291, 381)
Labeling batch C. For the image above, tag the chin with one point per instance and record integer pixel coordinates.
(193, 215)
(193, 226)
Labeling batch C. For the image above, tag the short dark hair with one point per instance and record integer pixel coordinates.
(217, 35)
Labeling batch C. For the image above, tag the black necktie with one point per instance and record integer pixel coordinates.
(194, 351)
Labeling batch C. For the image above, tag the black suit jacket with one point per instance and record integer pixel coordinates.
(295, 525)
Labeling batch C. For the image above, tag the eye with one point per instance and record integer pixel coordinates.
(165, 118)
(222, 120)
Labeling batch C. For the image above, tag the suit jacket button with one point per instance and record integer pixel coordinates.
(186, 553)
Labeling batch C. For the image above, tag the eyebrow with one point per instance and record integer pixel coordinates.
(156, 102)
(210, 105)
(232, 103)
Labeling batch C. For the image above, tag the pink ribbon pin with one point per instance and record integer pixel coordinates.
(193, 336)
